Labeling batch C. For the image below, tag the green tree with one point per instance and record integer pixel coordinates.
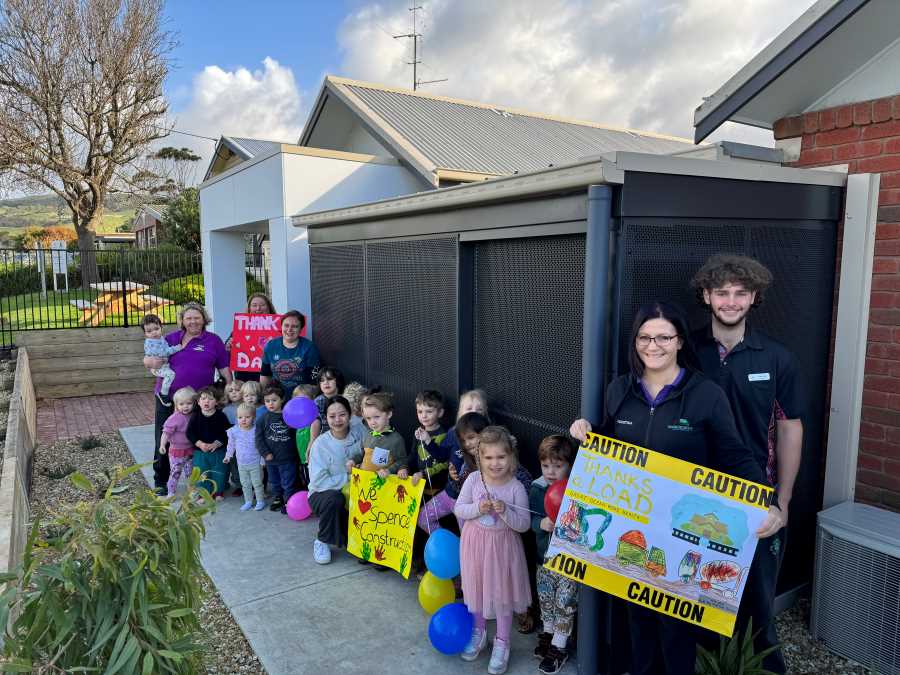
(181, 221)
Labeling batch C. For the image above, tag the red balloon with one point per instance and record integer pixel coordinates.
(553, 498)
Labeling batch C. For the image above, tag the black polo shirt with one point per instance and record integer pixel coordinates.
(758, 372)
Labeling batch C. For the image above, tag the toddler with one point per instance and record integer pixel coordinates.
(558, 595)
(331, 383)
(208, 431)
(474, 400)
(233, 398)
(354, 392)
(155, 345)
(494, 506)
(181, 450)
(242, 448)
(306, 435)
(276, 444)
(384, 450)
(251, 394)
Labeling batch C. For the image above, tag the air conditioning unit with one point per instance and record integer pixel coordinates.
(856, 596)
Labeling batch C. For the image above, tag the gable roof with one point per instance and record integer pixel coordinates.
(231, 150)
(450, 138)
(830, 43)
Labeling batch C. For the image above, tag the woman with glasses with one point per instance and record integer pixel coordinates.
(665, 404)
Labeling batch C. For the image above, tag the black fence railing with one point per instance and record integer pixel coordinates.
(54, 288)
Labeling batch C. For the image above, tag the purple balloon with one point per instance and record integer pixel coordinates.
(298, 506)
(300, 412)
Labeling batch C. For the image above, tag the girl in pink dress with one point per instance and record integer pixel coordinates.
(494, 508)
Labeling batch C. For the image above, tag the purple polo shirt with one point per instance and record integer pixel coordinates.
(664, 392)
(196, 365)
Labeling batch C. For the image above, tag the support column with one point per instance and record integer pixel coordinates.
(223, 277)
(290, 268)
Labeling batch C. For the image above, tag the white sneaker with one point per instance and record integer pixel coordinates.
(476, 643)
(499, 657)
(321, 552)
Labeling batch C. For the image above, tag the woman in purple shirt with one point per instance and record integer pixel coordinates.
(195, 366)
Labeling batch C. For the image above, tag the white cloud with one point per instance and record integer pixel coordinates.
(264, 104)
(644, 64)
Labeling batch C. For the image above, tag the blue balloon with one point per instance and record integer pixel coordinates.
(442, 554)
(450, 628)
(300, 412)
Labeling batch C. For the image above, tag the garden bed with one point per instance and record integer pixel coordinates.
(227, 648)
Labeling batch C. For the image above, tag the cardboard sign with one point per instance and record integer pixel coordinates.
(382, 523)
(249, 335)
(657, 531)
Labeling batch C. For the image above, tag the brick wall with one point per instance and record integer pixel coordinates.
(866, 137)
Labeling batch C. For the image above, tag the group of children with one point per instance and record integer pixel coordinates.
(471, 471)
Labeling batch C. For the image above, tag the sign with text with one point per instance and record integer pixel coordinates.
(382, 523)
(660, 532)
(249, 336)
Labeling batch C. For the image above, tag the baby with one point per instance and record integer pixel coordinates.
(155, 345)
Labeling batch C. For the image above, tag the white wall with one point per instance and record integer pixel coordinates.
(223, 277)
(877, 79)
(253, 194)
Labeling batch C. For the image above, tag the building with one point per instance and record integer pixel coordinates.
(147, 227)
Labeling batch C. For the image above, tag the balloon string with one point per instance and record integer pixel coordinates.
(427, 478)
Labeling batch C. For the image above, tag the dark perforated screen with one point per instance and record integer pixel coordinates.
(529, 296)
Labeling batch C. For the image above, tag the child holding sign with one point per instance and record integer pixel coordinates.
(494, 506)
(384, 449)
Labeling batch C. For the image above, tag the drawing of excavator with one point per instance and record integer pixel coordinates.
(575, 523)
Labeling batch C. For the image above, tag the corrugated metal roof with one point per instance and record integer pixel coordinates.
(481, 139)
(255, 147)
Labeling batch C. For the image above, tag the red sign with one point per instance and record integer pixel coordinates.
(249, 336)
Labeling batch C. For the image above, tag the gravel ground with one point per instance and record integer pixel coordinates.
(228, 651)
(803, 654)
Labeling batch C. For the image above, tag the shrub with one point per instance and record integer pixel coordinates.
(734, 656)
(110, 586)
(190, 289)
(90, 442)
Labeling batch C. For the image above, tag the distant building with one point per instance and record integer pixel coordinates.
(148, 225)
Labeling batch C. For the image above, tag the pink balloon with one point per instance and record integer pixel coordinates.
(300, 412)
(298, 506)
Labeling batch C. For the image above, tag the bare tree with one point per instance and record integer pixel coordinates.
(81, 98)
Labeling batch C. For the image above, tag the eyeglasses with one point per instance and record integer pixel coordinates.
(660, 340)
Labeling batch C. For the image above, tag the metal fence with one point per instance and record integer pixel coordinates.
(56, 288)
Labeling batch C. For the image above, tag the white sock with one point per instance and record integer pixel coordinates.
(548, 628)
(559, 640)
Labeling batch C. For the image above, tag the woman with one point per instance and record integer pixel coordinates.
(665, 404)
(289, 360)
(195, 366)
(257, 303)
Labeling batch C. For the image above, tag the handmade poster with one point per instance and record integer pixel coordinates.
(657, 531)
(249, 335)
(383, 515)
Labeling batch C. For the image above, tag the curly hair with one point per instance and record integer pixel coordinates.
(726, 268)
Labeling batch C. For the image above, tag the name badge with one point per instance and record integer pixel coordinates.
(759, 377)
(381, 456)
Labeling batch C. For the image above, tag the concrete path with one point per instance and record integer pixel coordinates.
(301, 617)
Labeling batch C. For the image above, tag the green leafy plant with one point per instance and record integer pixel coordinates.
(90, 442)
(109, 585)
(735, 656)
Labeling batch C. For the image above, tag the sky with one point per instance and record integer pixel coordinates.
(254, 68)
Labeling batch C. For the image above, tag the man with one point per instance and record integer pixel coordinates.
(760, 377)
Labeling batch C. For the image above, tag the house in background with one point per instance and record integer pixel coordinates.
(147, 227)
(361, 143)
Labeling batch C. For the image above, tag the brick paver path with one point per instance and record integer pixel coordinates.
(60, 418)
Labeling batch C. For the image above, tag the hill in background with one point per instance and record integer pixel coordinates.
(50, 211)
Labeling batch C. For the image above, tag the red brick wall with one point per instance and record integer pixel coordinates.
(866, 137)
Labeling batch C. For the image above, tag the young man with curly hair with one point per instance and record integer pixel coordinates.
(761, 379)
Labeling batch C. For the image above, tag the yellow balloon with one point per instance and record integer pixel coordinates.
(346, 491)
(434, 593)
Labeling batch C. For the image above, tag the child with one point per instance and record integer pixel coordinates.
(354, 392)
(306, 435)
(276, 444)
(251, 394)
(474, 400)
(558, 595)
(242, 448)
(207, 430)
(331, 383)
(384, 450)
(155, 345)
(429, 410)
(494, 506)
(233, 398)
(330, 457)
(181, 450)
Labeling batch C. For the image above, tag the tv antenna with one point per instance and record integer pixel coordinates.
(416, 36)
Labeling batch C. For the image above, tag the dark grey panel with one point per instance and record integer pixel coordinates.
(338, 307)
(412, 315)
(529, 296)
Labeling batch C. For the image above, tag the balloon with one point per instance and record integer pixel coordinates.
(346, 492)
(300, 412)
(442, 554)
(298, 506)
(553, 498)
(450, 628)
(434, 592)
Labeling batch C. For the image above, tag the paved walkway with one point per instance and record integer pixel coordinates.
(301, 617)
(62, 418)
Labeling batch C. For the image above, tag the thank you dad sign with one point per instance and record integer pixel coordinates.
(249, 335)
(382, 523)
(657, 531)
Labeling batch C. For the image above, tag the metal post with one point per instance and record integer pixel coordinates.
(594, 369)
(124, 289)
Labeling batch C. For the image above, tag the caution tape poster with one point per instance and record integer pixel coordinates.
(663, 533)
(382, 523)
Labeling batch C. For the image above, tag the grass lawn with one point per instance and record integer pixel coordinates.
(32, 311)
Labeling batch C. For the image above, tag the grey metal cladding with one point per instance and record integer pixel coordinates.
(471, 138)
(256, 147)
